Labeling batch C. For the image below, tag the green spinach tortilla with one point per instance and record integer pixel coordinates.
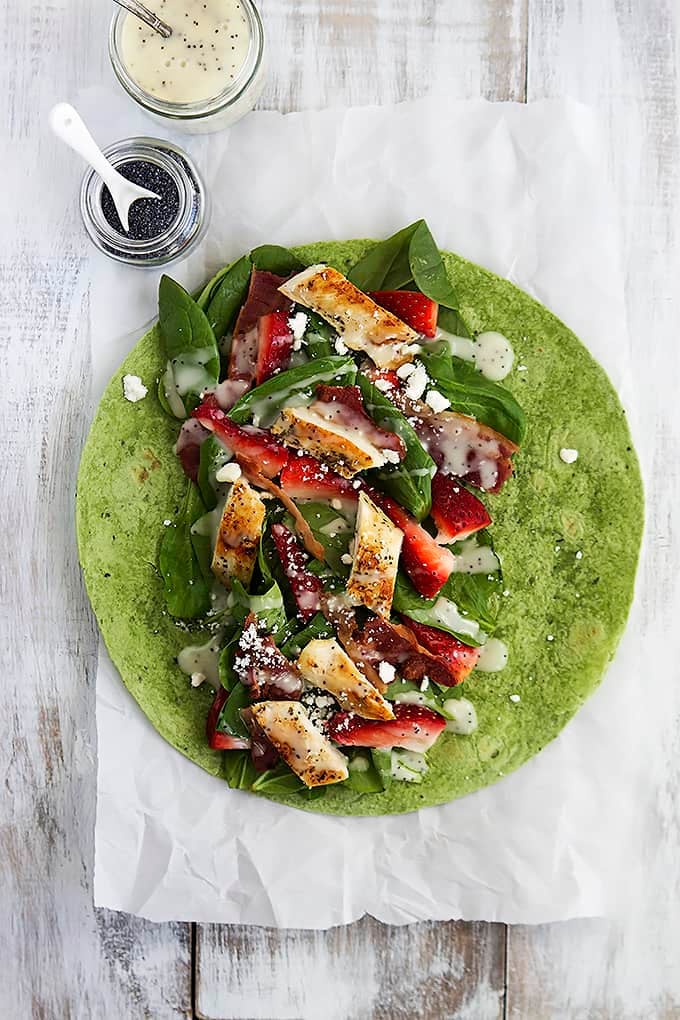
(568, 536)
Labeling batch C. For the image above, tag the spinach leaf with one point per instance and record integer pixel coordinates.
(434, 697)
(193, 358)
(227, 296)
(267, 399)
(268, 608)
(470, 393)
(382, 760)
(387, 265)
(230, 720)
(275, 259)
(318, 627)
(225, 666)
(480, 596)
(363, 775)
(213, 457)
(438, 612)
(332, 529)
(429, 271)
(410, 482)
(187, 592)
(280, 779)
(319, 336)
(448, 319)
(238, 770)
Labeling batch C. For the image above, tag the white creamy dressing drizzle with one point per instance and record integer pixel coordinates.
(463, 716)
(408, 766)
(475, 559)
(171, 395)
(445, 612)
(491, 352)
(493, 657)
(207, 49)
(464, 451)
(202, 659)
(190, 373)
(209, 524)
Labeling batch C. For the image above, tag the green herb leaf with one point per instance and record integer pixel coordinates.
(429, 271)
(318, 627)
(319, 337)
(238, 770)
(332, 529)
(470, 393)
(187, 593)
(363, 775)
(267, 399)
(193, 358)
(226, 297)
(274, 259)
(382, 760)
(480, 596)
(386, 266)
(230, 720)
(268, 608)
(410, 482)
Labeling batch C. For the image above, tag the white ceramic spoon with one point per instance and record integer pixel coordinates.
(68, 125)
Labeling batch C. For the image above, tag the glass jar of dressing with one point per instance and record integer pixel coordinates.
(207, 75)
(160, 230)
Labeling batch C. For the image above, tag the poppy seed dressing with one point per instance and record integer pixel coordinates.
(149, 217)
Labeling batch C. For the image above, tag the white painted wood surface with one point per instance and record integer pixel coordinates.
(60, 957)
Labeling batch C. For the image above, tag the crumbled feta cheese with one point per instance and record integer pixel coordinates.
(230, 472)
(391, 456)
(437, 401)
(424, 683)
(133, 388)
(521, 368)
(340, 346)
(383, 385)
(356, 484)
(336, 504)
(515, 698)
(579, 555)
(197, 679)
(298, 325)
(568, 456)
(346, 559)
(386, 672)
(417, 381)
(405, 370)
(167, 523)
(506, 593)
(550, 637)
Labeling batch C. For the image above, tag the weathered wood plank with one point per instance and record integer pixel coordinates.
(60, 957)
(364, 971)
(622, 58)
(329, 52)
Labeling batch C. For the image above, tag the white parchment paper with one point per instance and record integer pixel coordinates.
(521, 190)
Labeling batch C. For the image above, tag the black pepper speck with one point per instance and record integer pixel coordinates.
(149, 217)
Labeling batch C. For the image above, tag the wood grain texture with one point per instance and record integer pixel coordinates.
(622, 58)
(361, 971)
(60, 958)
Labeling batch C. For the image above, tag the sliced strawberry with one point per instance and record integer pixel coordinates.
(217, 740)
(255, 445)
(385, 376)
(307, 478)
(263, 297)
(455, 511)
(264, 669)
(427, 564)
(191, 437)
(274, 345)
(414, 727)
(460, 659)
(305, 586)
(412, 307)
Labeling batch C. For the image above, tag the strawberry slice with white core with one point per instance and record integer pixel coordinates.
(307, 478)
(412, 307)
(427, 564)
(305, 586)
(455, 510)
(274, 345)
(414, 727)
(255, 445)
(460, 659)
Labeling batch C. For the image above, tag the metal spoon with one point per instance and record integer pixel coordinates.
(147, 16)
(67, 124)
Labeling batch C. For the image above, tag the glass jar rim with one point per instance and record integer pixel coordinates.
(201, 108)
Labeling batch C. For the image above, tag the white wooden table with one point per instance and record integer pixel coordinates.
(61, 958)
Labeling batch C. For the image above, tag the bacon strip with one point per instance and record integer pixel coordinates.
(382, 641)
(263, 668)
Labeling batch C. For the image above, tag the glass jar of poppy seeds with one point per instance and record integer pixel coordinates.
(160, 230)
